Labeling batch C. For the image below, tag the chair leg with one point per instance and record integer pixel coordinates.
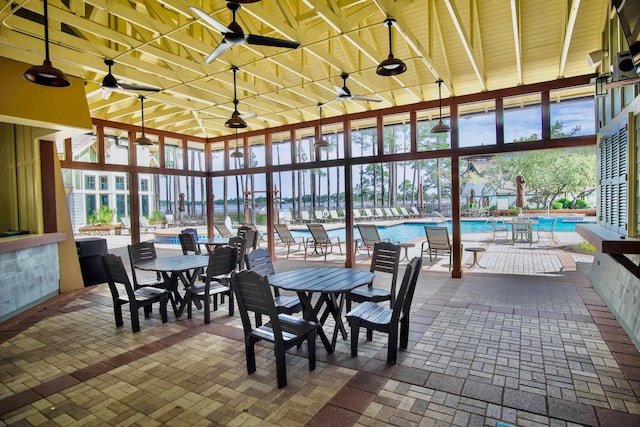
(404, 332)
(281, 366)
(250, 353)
(311, 348)
(163, 308)
(147, 311)
(369, 334)
(348, 304)
(392, 351)
(231, 305)
(207, 310)
(355, 331)
(135, 321)
(189, 307)
(117, 313)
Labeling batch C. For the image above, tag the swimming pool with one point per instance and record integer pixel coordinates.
(412, 230)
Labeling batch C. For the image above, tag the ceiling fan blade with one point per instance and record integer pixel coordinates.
(134, 87)
(222, 48)
(365, 98)
(341, 92)
(329, 102)
(248, 115)
(270, 41)
(219, 26)
(106, 93)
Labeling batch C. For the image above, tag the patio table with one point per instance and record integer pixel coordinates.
(332, 284)
(175, 269)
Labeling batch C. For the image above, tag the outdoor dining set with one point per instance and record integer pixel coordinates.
(298, 305)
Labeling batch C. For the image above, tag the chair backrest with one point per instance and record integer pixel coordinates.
(407, 289)
(305, 215)
(319, 215)
(192, 231)
(369, 233)
(318, 233)
(144, 222)
(189, 243)
(386, 259)
(284, 233)
(260, 262)
(222, 261)
(117, 274)
(415, 210)
(250, 236)
(238, 243)
(253, 294)
(438, 237)
(170, 219)
(404, 211)
(126, 222)
(223, 230)
(140, 252)
(521, 225)
(356, 214)
(378, 212)
(334, 214)
(368, 213)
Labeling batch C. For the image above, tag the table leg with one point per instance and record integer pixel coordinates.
(171, 283)
(310, 312)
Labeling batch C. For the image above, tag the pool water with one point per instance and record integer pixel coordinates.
(409, 231)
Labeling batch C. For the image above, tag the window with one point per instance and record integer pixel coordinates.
(120, 205)
(477, 124)
(104, 182)
(89, 182)
(144, 185)
(120, 183)
(104, 200)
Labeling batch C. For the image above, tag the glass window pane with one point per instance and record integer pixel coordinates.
(332, 133)
(217, 156)
(84, 148)
(427, 140)
(572, 113)
(147, 155)
(477, 124)
(173, 154)
(396, 134)
(281, 148)
(195, 151)
(257, 151)
(305, 152)
(116, 146)
(522, 118)
(60, 150)
(364, 138)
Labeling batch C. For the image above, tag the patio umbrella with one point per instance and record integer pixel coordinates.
(472, 197)
(521, 200)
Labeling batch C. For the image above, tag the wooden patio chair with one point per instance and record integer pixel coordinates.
(287, 239)
(321, 240)
(260, 262)
(189, 242)
(136, 298)
(374, 317)
(140, 252)
(386, 259)
(253, 294)
(222, 261)
(437, 240)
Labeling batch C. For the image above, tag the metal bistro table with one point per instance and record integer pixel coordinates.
(175, 269)
(332, 284)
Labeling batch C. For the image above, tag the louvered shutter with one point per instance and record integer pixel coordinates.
(613, 162)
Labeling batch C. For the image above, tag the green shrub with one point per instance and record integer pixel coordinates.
(102, 216)
(156, 216)
(581, 204)
(514, 211)
(556, 205)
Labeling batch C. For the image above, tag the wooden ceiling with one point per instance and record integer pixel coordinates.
(472, 45)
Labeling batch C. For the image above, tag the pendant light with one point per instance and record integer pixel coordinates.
(321, 142)
(237, 153)
(391, 66)
(440, 127)
(46, 74)
(235, 122)
(142, 140)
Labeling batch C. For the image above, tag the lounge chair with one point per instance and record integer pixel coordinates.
(321, 241)
(416, 212)
(333, 214)
(305, 218)
(320, 216)
(144, 224)
(378, 213)
(126, 223)
(405, 213)
(369, 215)
(223, 230)
(368, 238)
(437, 240)
(356, 215)
(287, 239)
(391, 213)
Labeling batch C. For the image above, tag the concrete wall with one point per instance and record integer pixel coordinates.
(620, 290)
(28, 276)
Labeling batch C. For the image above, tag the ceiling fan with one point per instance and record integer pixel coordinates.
(109, 83)
(344, 94)
(233, 34)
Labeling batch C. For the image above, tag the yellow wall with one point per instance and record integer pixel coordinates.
(65, 110)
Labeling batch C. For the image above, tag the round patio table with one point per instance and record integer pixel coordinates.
(475, 256)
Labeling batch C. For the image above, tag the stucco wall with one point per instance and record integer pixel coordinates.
(620, 290)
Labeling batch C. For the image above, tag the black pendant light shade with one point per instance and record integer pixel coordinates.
(142, 140)
(237, 153)
(391, 66)
(321, 142)
(440, 127)
(46, 74)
